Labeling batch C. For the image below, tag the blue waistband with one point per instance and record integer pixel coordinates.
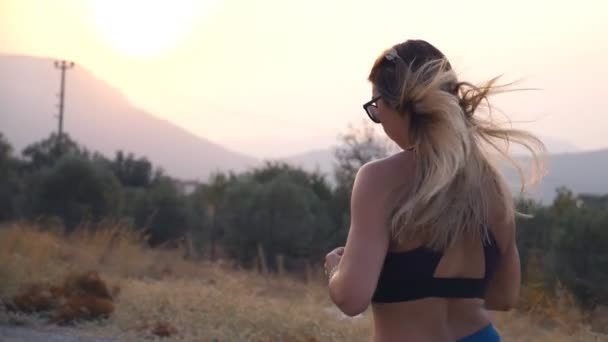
(487, 334)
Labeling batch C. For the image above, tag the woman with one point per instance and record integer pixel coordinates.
(432, 238)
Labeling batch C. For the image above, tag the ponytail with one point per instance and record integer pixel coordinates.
(454, 178)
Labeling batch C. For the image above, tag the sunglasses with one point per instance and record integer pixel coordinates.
(371, 108)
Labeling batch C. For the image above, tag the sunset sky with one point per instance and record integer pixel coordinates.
(277, 77)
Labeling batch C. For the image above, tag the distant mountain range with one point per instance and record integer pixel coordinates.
(102, 119)
(581, 172)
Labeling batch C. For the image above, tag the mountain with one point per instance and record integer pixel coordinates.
(581, 172)
(102, 119)
(99, 117)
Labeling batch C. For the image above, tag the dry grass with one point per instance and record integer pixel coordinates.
(161, 294)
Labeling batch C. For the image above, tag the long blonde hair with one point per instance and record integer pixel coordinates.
(455, 178)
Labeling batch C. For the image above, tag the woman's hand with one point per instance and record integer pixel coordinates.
(332, 260)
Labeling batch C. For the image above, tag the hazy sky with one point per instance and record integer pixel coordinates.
(275, 77)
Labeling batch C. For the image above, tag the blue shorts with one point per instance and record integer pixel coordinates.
(487, 334)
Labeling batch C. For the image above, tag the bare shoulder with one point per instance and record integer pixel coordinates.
(390, 171)
(383, 179)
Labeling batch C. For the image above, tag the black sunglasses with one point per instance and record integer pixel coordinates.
(371, 108)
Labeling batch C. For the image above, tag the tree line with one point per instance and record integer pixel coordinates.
(290, 214)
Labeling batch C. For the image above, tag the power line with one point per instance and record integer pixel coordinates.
(63, 66)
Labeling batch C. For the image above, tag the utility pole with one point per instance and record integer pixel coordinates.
(63, 66)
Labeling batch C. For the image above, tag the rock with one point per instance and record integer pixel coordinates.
(164, 329)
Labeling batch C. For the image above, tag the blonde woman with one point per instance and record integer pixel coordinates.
(432, 238)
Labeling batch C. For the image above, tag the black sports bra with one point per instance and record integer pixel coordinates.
(409, 275)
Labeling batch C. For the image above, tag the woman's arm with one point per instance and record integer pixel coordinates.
(353, 284)
(503, 289)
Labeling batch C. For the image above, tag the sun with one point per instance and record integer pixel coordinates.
(145, 28)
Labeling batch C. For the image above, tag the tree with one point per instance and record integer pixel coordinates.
(6, 150)
(283, 217)
(313, 180)
(132, 172)
(566, 243)
(161, 211)
(580, 235)
(47, 152)
(9, 181)
(206, 203)
(75, 190)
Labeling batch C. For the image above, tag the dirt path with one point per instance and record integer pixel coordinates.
(25, 334)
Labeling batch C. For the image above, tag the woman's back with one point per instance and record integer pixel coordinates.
(405, 305)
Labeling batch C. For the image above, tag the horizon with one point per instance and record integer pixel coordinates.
(235, 81)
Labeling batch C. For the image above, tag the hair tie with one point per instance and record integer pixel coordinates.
(392, 54)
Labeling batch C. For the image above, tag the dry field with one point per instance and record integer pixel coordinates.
(130, 293)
